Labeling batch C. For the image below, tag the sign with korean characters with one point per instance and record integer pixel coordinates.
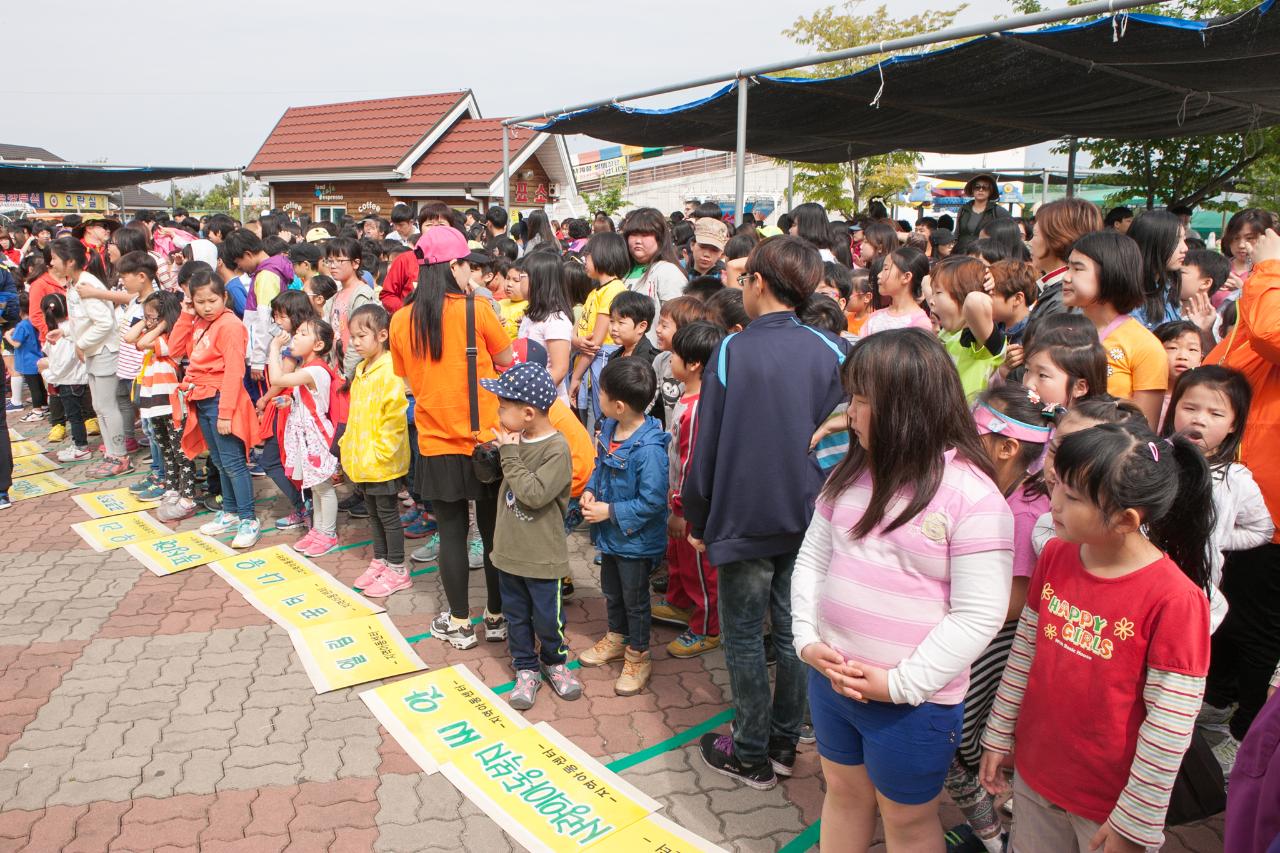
(545, 792)
(38, 485)
(172, 554)
(25, 448)
(28, 465)
(316, 599)
(75, 201)
(431, 714)
(106, 534)
(654, 834)
(264, 568)
(110, 502)
(354, 651)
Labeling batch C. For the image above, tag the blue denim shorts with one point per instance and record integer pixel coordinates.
(906, 749)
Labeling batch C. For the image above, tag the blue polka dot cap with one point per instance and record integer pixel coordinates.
(528, 382)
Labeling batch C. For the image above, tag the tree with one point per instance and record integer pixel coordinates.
(847, 186)
(609, 197)
(222, 195)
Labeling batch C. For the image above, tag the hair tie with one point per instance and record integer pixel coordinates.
(1033, 396)
(1155, 454)
(1053, 411)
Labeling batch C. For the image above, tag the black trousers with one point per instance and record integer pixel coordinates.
(6, 453)
(35, 385)
(452, 520)
(388, 532)
(1246, 645)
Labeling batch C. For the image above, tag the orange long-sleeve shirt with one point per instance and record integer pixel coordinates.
(215, 350)
(1254, 350)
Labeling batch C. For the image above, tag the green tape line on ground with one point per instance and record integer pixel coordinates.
(804, 840)
(674, 742)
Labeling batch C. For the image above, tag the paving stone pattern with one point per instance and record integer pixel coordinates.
(140, 713)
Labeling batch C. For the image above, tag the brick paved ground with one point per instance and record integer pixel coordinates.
(161, 714)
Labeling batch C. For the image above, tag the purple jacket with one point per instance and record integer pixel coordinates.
(257, 318)
(1253, 809)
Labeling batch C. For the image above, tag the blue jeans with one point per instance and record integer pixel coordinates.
(157, 457)
(270, 462)
(228, 453)
(625, 584)
(748, 590)
(532, 607)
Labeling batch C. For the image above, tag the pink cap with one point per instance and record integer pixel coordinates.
(441, 244)
(988, 420)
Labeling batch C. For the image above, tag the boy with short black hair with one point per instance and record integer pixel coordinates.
(629, 318)
(529, 548)
(305, 258)
(837, 282)
(1205, 271)
(626, 503)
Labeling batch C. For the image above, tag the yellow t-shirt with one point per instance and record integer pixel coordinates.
(513, 313)
(598, 302)
(1136, 360)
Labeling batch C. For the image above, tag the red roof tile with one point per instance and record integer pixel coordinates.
(354, 135)
(469, 153)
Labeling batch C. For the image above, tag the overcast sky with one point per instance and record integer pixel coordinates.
(155, 86)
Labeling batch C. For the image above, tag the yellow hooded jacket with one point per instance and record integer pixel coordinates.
(375, 447)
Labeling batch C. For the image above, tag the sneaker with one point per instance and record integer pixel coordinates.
(297, 518)
(475, 553)
(659, 584)
(91, 427)
(1225, 752)
(73, 454)
(526, 690)
(32, 416)
(146, 483)
(563, 681)
(5, 502)
(717, 752)
(256, 470)
(213, 503)
(782, 756)
(636, 668)
(223, 522)
(495, 627)
(178, 510)
(131, 445)
(360, 510)
(350, 500)
(371, 574)
(13, 407)
(57, 433)
(389, 582)
(420, 527)
(566, 589)
(409, 517)
(611, 647)
(304, 543)
(321, 544)
(962, 839)
(152, 495)
(463, 637)
(1214, 722)
(428, 551)
(807, 734)
(110, 466)
(690, 645)
(248, 534)
(665, 611)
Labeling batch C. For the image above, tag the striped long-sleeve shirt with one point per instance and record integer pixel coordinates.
(1102, 688)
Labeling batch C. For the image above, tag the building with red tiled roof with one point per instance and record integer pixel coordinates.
(362, 157)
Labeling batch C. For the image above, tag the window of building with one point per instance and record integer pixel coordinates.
(330, 213)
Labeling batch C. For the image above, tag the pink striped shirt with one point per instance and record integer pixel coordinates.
(885, 592)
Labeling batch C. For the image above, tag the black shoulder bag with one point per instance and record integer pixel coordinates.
(484, 456)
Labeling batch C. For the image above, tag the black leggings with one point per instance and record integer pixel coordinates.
(35, 385)
(388, 532)
(1247, 643)
(453, 519)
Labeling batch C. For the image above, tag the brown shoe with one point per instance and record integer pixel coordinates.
(608, 650)
(636, 668)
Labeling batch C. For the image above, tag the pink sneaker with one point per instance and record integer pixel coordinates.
(321, 544)
(375, 570)
(387, 583)
(305, 542)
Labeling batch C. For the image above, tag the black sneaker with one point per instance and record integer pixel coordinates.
(213, 503)
(782, 756)
(717, 752)
(350, 500)
(961, 839)
(566, 589)
(359, 509)
(807, 734)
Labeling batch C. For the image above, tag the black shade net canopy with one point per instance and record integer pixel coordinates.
(24, 176)
(1131, 76)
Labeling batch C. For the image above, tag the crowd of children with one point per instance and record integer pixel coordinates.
(996, 508)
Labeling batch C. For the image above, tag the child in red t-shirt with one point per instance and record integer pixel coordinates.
(691, 585)
(1107, 670)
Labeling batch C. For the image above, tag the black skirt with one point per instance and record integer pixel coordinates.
(450, 478)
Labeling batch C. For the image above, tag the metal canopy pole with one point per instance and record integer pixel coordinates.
(1071, 167)
(740, 156)
(240, 192)
(791, 185)
(506, 168)
(1049, 16)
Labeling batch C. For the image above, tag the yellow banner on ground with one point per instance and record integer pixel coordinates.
(172, 554)
(544, 791)
(14, 435)
(317, 599)
(110, 502)
(106, 534)
(355, 651)
(431, 714)
(25, 448)
(28, 465)
(38, 485)
(264, 568)
(655, 834)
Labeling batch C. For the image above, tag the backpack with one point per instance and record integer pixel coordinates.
(339, 401)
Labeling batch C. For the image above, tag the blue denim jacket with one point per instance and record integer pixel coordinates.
(633, 481)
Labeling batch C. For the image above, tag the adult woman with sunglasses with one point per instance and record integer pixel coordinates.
(974, 215)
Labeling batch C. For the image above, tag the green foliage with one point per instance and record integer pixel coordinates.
(609, 197)
(845, 187)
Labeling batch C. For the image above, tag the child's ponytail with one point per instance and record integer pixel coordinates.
(1184, 531)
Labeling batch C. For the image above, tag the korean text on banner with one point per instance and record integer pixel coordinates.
(544, 791)
(25, 448)
(106, 534)
(430, 714)
(172, 554)
(110, 502)
(316, 599)
(28, 465)
(265, 568)
(38, 485)
(355, 651)
(654, 834)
